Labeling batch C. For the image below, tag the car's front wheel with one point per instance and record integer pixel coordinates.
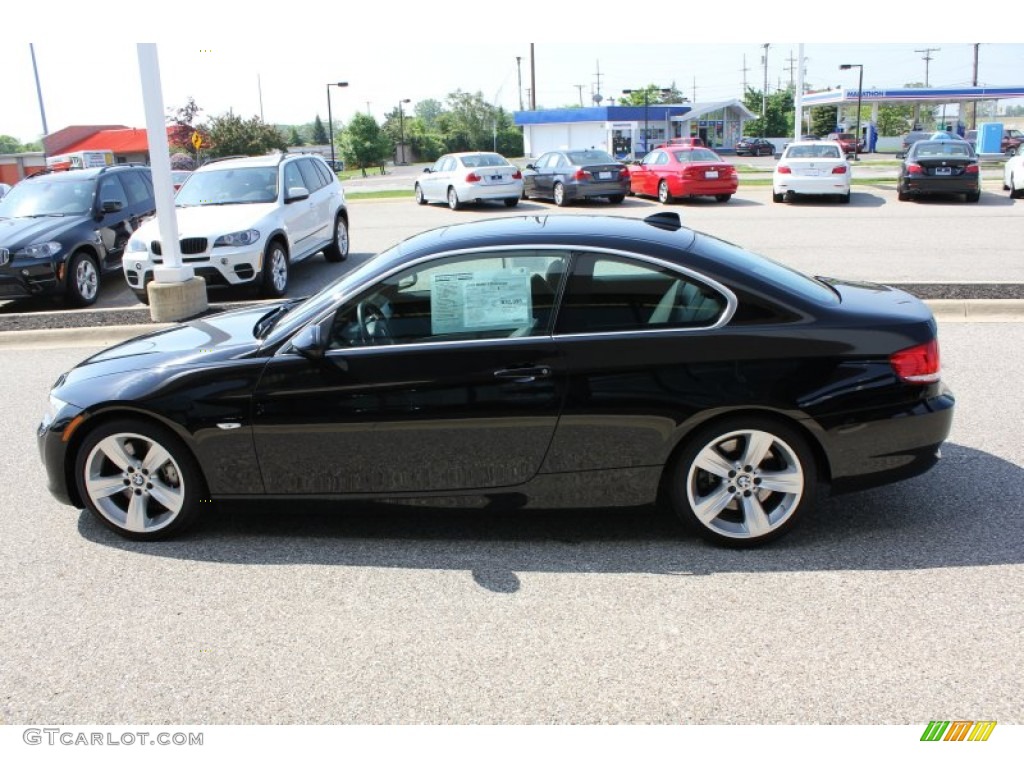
(338, 249)
(275, 270)
(139, 479)
(743, 481)
(421, 199)
(82, 281)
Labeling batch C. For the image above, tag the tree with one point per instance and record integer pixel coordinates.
(823, 120)
(655, 95)
(320, 136)
(231, 135)
(428, 111)
(778, 120)
(364, 144)
(182, 123)
(295, 138)
(9, 144)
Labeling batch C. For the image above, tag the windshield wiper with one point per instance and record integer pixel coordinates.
(269, 320)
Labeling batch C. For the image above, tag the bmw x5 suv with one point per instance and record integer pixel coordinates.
(61, 231)
(245, 221)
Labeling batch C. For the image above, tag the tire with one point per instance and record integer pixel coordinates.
(142, 296)
(453, 199)
(338, 249)
(1011, 151)
(718, 482)
(845, 198)
(1015, 193)
(664, 196)
(901, 195)
(511, 202)
(559, 195)
(776, 197)
(723, 198)
(972, 197)
(82, 280)
(420, 198)
(616, 199)
(275, 271)
(139, 479)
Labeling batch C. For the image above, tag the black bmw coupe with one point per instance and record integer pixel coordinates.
(561, 361)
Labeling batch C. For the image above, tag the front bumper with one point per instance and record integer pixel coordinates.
(224, 266)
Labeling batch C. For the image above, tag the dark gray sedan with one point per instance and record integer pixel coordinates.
(576, 174)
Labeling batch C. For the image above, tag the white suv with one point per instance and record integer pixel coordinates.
(246, 220)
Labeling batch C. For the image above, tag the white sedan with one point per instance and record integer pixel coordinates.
(812, 168)
(466, 177)
(1013, 175)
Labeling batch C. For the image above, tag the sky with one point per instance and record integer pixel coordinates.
(284, 77)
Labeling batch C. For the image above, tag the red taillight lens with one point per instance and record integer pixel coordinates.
(624, 173)
(517, 175)
(472, 177)
(972, 169)
(784, 169)
(581, 175)
(839, 169)
(914, 168)
(917, 365)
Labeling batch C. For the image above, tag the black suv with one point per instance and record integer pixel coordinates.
(60, 231)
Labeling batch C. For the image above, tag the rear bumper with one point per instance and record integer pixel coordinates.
(936, 186)
(705, 187)
(812, 185)
(596, 189)
(490, 191)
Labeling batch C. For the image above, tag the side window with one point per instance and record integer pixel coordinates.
(138, 193)
(449, 164)
(541, 162)
(556, 160)
(309, 174)
(650, 158)
(612, 293)
(325, 173)
(439, 165)
(485, 295)
(111, 189)
(293, 178)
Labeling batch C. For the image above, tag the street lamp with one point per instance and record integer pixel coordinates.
(401, 126)
(330, 119)
(647, 105)
(860, 90)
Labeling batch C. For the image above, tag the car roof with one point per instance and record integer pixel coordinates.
(257, 161)
(75, 174)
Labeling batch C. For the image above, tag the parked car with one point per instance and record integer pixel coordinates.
(810, 137)
(61, 232)
(178, 178)
(848, 141)
(468, 177)
(673, 172)
(754, 147)
(1012, 140)
(576, 174)
(910, 138)
(550, 361)
(812, 168)
(1013, 175)
(683, 141)
(941, 167)
(246, 221)
(4, 189)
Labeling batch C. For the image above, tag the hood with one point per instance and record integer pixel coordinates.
(211, 221)
(27, 230)
(160, 354)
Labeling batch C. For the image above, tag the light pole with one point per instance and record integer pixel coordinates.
(647, 106)
(330, 119)
(401, 126)
(860, 90)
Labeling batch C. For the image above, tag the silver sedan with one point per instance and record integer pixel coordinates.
(466, 177)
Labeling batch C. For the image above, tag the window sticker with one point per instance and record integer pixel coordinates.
(462, 302)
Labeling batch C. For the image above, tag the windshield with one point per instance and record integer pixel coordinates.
(49, 197)
(590, 156)
(229, 186)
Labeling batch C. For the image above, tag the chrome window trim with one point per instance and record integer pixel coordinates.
(730, 309)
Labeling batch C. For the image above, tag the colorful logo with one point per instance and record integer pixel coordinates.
(958, 730)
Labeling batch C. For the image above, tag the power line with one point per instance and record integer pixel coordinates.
(927, 60)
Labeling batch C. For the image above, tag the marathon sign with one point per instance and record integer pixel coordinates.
(871, 93)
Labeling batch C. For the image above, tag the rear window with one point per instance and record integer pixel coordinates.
(486, 160)
(590, 156)
(696, 155)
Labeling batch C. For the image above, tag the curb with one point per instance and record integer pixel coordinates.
(947, 310)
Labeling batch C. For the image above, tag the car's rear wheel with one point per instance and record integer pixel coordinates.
(901, 194)
(664, 196)
(420, 197)
(1015, 192)
(972, 197)
(845, 198)
(275, 270)
(511, 202)
(559, 195)
(82, 281)
(338, 249)
(616, 199)
(139, 479)
(453, 199)
(777, 197)
(743, 481)
(723, 198)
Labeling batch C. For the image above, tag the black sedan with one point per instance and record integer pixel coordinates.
(576, 174)
(754, 147)
(940, 167)
(560, 361)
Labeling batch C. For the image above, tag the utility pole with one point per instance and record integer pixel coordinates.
(764, 93)
(533, 80)
(744, 71)
(927, 60)
(597, 74)
(519, 70)
(791, 68)
(974, 82)
(695, 90)
(580, 89)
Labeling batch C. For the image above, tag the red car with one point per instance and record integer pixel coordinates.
(848, 142)
(673, 172)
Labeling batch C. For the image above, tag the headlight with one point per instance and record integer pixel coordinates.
(136, 245)
(40, 250)
(245, 237)
(55, 406)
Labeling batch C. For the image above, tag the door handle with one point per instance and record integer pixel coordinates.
(523, 375)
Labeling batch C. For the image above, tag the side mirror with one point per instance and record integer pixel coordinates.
(529, 167)
(900, 155)
(428, 170)
(111, 206)
(308, 343)
(295, 194)
(777, 155)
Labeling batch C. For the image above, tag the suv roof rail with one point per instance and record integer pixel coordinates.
(212, 160)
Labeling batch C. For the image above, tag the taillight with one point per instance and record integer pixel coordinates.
(839, 169)
(581, 175)
(472, 177)
(517, 175)
(914, 168)
(624, 173)
(917, 365)
(784, 169)
(971, 169)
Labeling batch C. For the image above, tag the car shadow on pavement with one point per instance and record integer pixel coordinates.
(965, 512)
